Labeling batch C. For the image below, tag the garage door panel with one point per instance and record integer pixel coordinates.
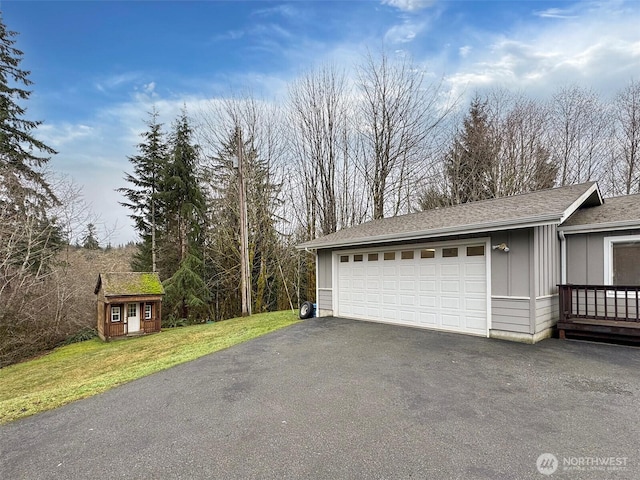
(450, 286)
(450, 270)
(447, 293)
(427, 286)
(389, 299)
(475, 305)
(479, 287)
(450, 302)
(407, 299)
(450, 320)
(475, 323)
(428, 301)
(428, 270)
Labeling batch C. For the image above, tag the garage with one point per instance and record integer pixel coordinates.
(442, 287)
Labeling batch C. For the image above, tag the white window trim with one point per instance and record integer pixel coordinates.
(135, 308)
(608, 258)
(148, 309)
(112, 310)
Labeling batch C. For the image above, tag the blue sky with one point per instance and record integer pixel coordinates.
(99, 66)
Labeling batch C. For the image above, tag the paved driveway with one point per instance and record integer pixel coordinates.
(333, 398)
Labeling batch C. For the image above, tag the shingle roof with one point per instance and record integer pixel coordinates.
(129, 283)
(614, 211)
(543, 206)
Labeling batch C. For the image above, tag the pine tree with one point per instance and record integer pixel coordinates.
(182, 203)
(143, 195)
(90, 240)
(22, 182)
(470, 160)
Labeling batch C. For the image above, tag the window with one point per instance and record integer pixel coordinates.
(344, 258)
(372, 257)
(622, 260)
(147, 311)
(389, 255)
(450, 252)
(475, 251)
(132, 310)
(357, 258)
(428, 253)
(115, 313)
(407, 255)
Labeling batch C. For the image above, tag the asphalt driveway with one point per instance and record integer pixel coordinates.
(332, 398)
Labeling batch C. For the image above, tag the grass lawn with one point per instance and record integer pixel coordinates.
(84, 369)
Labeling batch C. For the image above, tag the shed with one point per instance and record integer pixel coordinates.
(489, 268)
(128, 303)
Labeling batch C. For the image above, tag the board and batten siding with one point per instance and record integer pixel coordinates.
(585, 256)
(324, 302)
(547, 260)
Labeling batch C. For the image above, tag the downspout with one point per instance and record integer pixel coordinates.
(563, 257)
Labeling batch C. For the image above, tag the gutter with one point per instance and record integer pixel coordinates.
(601, 227)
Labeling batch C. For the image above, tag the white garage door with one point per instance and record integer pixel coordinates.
(442, 287)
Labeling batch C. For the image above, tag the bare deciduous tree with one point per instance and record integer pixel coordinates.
(625, 165)
(399, 111)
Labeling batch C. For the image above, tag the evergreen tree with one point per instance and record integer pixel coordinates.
(90, 240)
(182, 204)
(21, 155)
(143, 195)
(223, 253)
(471, 158)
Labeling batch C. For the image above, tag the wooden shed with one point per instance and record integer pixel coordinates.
(128, 304)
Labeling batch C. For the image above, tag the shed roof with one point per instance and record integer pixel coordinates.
(117, 284)
(541, 207)
(615, 212)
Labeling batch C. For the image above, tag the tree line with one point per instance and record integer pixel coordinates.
(341, 149)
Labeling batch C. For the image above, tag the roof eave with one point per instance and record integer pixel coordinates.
(436, 233)
(600, 227)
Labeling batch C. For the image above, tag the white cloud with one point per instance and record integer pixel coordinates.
(464, 51)
(599, 49)
(405, 32)
(409, 5)
(555, 13)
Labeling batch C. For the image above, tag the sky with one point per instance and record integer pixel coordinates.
(98, 67)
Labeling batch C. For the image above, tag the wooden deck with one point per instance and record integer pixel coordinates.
(600, 311)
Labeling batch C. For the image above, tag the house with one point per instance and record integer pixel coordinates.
(489, 268)
(129, 303)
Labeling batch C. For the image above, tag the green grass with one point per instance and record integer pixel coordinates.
(87, 368)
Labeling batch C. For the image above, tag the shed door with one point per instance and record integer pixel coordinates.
(133, 317)
(441, 287)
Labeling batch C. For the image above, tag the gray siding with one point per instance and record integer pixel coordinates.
(510, 272)
(325, 264)
(325, 300)
(511, 315)
(547, 313)
(585, 256)
(546, 260)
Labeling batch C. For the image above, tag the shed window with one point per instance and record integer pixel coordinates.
(147, 311)
(450, 252)
(428, 253)
(357, 258)
(389, 255)
(115, 313)
(475, 251)
(407, 255)
(622, 260)
(344, 258)
(372, 257)
(132, 310)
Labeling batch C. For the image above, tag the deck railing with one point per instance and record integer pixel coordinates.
(618, 303)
